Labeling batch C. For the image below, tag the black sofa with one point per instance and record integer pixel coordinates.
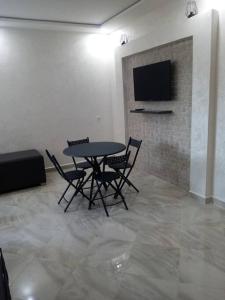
(19, 170)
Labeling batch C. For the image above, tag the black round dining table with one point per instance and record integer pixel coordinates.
(94, 149)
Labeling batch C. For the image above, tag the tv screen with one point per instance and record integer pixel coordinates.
(153, 82)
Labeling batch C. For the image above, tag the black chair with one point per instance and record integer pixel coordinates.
(70, 177)
(115, 163)
(84, 165)
(110, 178)
(4, 280)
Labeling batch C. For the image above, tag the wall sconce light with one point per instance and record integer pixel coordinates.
(191, 9)
(123, 39)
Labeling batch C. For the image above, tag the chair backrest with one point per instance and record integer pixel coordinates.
(125, 159)
(77, 142)
(56, 164)
(135, 144)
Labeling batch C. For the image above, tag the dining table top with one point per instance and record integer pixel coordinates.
(94, 149)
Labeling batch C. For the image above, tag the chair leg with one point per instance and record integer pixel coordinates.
(93, 199)
(131, 184)
(118, 192)
(89, 206)
(63, 195)
(78, 189)
(127, 181)
(74, 195)
(92, 186)
(103, 202)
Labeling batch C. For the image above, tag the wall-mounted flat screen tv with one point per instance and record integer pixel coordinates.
(153, 82)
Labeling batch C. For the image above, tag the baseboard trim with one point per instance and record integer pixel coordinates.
(207, 200)
(203, 199)
(64, 166)
(219, 202)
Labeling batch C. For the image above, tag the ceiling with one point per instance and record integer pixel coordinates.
(92, 12)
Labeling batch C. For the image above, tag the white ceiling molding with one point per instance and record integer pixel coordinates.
(79, 13)
(45, 25)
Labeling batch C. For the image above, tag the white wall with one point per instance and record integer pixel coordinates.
(54, 85)
(219, 178)
(219, 171)
(174, 12)
(166, 25)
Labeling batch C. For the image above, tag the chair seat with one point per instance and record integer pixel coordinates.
(74, 175)
(110, 160)
(84, 165)
(107, 176)
(119, 166)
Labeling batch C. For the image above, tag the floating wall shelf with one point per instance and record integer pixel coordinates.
(154, 112)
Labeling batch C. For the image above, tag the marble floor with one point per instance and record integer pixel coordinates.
(167, 246)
